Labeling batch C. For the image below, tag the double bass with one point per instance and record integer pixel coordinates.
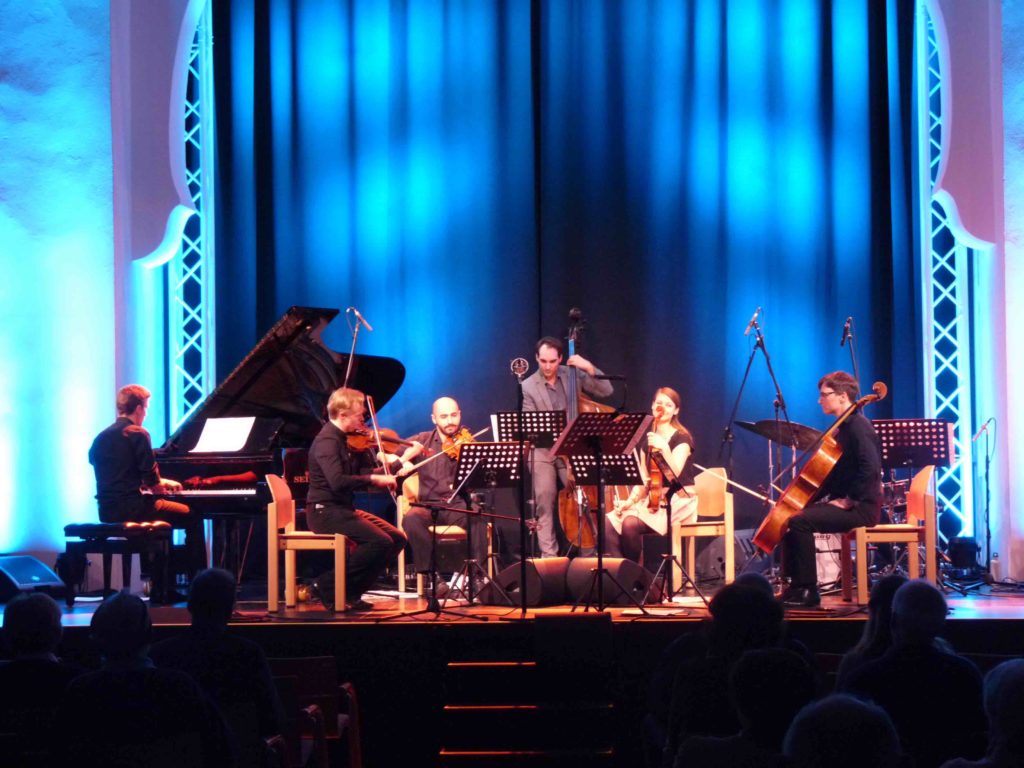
(576, 508)
(805, 486)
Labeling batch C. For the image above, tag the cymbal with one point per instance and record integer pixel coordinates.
(791, 433)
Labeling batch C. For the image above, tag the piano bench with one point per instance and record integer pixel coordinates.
(124, 539)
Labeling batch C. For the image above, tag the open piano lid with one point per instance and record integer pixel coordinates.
(288, 376)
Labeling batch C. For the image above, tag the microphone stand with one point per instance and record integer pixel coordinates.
(523, 539)
(352, 353)
(727, 434)
(848, 336)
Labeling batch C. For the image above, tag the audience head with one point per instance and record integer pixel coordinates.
(755, 580)
(878, 628)
(918, 613)
(212, 597)
(1004, 707)
(121, 626)
(32, 625)
(743, 617)
(839, 732)
(768, 687)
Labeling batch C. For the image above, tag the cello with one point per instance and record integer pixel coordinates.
(805, 486)
(576, 507)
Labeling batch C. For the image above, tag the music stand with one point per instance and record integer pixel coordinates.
(539, 429)
(588, 443)
(910, 443)
(495, 465)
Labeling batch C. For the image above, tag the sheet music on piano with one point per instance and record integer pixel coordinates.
(224, 435)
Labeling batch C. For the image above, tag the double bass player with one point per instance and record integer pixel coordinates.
(849, 497)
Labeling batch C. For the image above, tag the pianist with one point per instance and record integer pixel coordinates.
(128, 482)
(334, 473)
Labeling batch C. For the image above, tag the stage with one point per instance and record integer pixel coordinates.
(415, 675)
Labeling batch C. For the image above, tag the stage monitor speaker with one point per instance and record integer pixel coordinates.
(634, 578)
(23, 573)
(710, 564)
(545, 583)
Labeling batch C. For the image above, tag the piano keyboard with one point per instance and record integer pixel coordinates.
(201, 493)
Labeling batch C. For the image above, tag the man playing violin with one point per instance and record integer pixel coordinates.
(335, 473)
(850, 496)
(436, 483)
(547, 390)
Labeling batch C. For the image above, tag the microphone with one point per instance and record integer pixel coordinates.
(612, 377)
(846, 331)
(983, 430)
(360, 318)
(519, 366)
(753, 321)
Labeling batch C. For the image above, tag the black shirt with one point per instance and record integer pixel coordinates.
(438, 477)
(858, 473)
(689, 474)
(335, 473)
(122, 458)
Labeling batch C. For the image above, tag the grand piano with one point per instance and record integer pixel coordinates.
(284, 382)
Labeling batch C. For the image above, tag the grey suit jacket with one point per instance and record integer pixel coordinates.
(535, 394)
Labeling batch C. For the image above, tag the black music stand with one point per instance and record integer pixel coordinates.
(589, 442)
(910, 443)
(539, 430)
(491, 465)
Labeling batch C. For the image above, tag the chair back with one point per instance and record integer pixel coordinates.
(410, 494)
(280, 511)
(712, 492)
(920, 502)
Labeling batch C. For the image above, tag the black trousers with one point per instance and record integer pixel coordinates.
(377, 543)
(417, 522)
(629, 543)
(798, 555)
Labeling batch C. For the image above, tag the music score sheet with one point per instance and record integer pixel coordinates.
(226, 435)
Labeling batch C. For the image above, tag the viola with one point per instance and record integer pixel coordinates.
(805, 486)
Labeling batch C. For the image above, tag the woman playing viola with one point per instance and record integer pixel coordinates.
(643, 511)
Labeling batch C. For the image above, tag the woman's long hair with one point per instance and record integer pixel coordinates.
(672, 395)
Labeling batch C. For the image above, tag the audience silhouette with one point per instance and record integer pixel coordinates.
(231, 670)
(33, 682)
(1004, 708)
(915, 681)
(840, 731)
(131, 712)
(767, 688)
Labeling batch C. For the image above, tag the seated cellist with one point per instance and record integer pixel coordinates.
(849, 497)
(643, 510)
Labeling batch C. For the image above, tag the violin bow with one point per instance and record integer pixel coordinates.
(380, 444)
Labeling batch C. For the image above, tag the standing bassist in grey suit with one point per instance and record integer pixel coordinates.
(547, 389)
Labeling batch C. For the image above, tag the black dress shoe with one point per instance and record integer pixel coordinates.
(801, 597)
(319, 594)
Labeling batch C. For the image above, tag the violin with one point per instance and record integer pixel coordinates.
(364, 440)
(799, 493)
(452, 445)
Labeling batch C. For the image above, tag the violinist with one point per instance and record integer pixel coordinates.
(547, 390)
(643, 512)
(335, 472)
(850, 496)
(436, 479)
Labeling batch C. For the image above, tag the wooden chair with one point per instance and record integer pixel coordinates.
(714, 518)
(920, 529)
(282, 537)
(410, 494)
(316, 687)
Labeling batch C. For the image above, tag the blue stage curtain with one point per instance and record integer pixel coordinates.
(465, 172)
